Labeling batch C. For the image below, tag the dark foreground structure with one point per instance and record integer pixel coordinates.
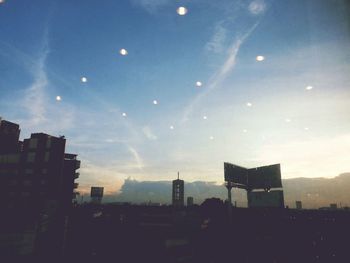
(204, 234)
(132, 233)
(39, 221)
(36, 192)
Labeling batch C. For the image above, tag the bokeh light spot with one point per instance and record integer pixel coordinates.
(123, 52)
(182, 10)
(260, 58)
(309, 87)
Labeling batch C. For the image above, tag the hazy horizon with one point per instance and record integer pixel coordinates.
(143, 89)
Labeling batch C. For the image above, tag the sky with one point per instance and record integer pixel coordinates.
(142, 89)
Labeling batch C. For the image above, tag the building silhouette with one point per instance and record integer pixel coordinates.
(9, 137)
(178, 192)
(190, 201)
(96, 194)
(261, 184)
(298, 205)
(37, 182)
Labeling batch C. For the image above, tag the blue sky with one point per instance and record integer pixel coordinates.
(247, 111)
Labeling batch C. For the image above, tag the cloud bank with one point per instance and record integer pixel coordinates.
(313, 192)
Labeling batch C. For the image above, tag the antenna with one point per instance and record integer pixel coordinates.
(178, 175)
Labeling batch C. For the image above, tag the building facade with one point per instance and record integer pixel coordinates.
(190, 201)
(178, 192)
(37, 182)
(96, 194)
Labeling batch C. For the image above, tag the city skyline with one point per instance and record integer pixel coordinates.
(143, 89)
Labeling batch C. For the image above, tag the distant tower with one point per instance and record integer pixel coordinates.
(96, 195)
(178, 192)
(190, 201)
(299, 205)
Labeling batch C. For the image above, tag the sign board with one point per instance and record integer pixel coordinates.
(96, 191)
(235, 174)
(265, 177)
(266, 199)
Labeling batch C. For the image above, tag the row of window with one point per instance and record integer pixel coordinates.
(33, 143)
(16, 171)
(27, 182)
(31, 156)
(9, 158)
(30, 171)
(24, 194)
(4, 172)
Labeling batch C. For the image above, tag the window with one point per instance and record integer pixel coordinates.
(13, 182)
(9, 158)
(27, 183)
(33, 143)
(30, 157)
(28, 171)
(25, 194)
(44, 171)
(47, 156)
(48, 143)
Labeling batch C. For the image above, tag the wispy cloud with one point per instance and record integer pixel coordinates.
(217, 42)
(257, 7)
(147, 131)
(35, 96)
(220, 75)
(138, 159)
(36, 110)
(151, 6)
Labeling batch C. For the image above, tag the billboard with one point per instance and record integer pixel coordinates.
(266, 199)
(265, 177)
(236, 174)
(96, 191)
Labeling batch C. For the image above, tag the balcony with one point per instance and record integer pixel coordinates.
(76, 175)
(77, 164)
(75, 185)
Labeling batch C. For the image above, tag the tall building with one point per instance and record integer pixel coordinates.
(190, 201)
(298, 205)
(37, 172)
(36, 188)
(96, 194)
(9, 137)
(178, 192)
